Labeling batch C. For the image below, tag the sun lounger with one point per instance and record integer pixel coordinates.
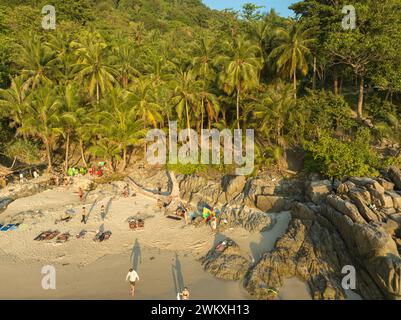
(7, 227)
(63, 238)
(136, 224)
(52, 235)
(42, 235)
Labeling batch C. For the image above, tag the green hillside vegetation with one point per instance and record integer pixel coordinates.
(114, 69)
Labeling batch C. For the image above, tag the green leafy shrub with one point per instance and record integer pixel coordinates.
(335, 158)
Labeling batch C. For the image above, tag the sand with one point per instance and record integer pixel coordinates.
(165, 253)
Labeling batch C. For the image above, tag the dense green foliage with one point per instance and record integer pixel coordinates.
(114, 69)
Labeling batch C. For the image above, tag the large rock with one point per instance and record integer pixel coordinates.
(361, 198)
(395, 176)
(396, 200)
(345, 207)
(226, 263)
(233, 186)
(272, 203)
(387, 185)
(317, 191)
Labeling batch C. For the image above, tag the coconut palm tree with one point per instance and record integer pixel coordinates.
(125, 59)
(241, 69)
(42, 119)
(14, 100)
(119, 125)
(72, 112)
(93, 64)
(292, 53)
(186, 93)
(36, 60)
(144, 102)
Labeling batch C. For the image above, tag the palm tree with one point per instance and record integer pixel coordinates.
(93, 65)
(185, 94)
(119, 125)
(204, 61)
(36, 60)
(241, 68)
(125, 59)
(14, 100)
(291, 55)
(42, 119)
(72, 112)
(145, 104)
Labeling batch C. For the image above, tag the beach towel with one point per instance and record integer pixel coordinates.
(206, 213)
(7, 227)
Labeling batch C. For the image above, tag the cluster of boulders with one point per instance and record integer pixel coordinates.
(225, 261)
(351, 223)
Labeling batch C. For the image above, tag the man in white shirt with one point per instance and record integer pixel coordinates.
(132, 277)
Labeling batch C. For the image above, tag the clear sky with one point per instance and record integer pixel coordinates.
(281, 6)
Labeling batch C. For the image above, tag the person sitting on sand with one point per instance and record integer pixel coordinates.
(185, 294)
(84, 217)
(125, 191)
(132, 277)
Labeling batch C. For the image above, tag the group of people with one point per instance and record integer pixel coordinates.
(132, 277)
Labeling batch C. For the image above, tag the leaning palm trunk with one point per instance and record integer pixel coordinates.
(81, 147)
(48, 154)
(360, 99)
(67, 149)
(295, 83)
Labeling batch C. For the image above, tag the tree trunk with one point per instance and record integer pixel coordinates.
(81, 147)
(295, 84)
(188, 123)
(314, 73)
(335, 82)
(49, 156)
(97, 93)
(238, 97)
(67, 149)
(124, 164)
(360, 99)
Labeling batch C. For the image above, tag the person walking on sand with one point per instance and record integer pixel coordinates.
(84, 217)
(81, 194)
(185, 294)
(132, 277)
(102, 212)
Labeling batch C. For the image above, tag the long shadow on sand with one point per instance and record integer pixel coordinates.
(178, 277)
(136, 256)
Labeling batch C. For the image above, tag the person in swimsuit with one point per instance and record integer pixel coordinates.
(84, 218)
(185, 294)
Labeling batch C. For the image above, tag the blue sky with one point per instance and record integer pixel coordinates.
(281, 6)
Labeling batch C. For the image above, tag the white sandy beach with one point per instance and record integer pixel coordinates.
(165, 253)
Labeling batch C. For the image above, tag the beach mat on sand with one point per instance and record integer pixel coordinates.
(8, 227)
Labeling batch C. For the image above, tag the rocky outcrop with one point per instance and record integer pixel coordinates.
(225, 261)
(316, 191)
(395, 175)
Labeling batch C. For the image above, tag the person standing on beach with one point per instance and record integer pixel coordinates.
(103, 212)
(185, 294)
(81, 194)
(132, 277)
(84, 218)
